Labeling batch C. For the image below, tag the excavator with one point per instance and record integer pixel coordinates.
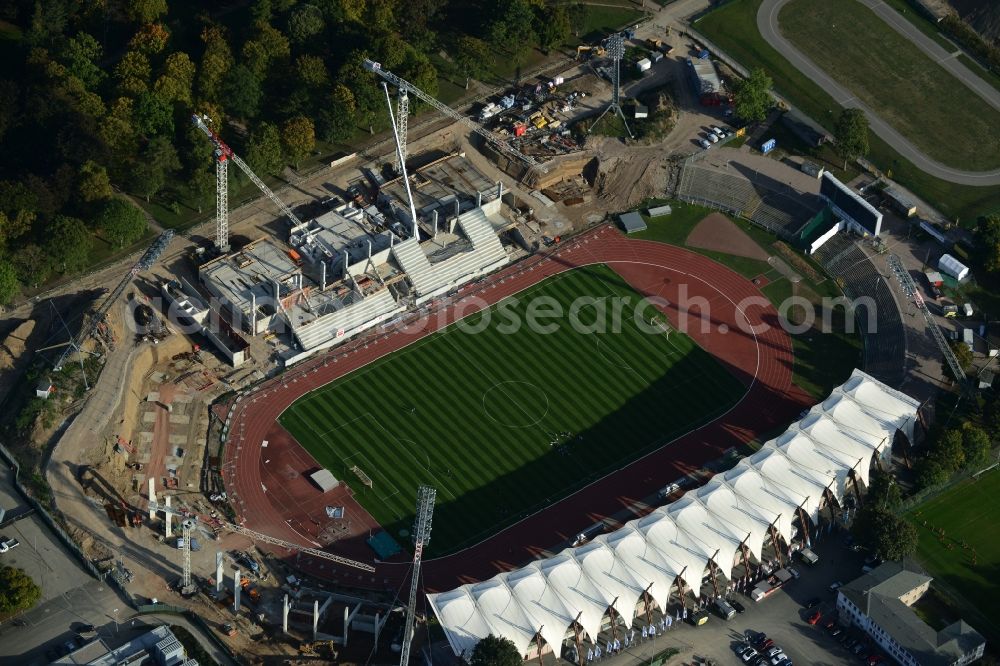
(594, 51)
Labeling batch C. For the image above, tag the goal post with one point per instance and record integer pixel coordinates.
(364, 478)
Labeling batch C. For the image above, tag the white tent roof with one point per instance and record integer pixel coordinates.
(857, 421)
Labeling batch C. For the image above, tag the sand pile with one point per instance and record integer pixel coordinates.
(13, 345)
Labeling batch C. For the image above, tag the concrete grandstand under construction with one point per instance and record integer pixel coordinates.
(364, 261)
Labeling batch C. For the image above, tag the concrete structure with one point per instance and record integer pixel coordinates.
(159, 646)
(324, 479)
(880, 604)
(359, 264)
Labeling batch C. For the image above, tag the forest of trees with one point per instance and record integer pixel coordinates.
(97, 98)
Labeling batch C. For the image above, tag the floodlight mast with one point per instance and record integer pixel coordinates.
(421, 537)
(615, 49)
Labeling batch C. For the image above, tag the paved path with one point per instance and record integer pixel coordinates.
(767, 24)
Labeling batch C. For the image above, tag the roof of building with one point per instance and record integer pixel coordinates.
(325, 479)
(858, 421)
(708, 77)
(632, 222)
(878, 595)
(147, 647)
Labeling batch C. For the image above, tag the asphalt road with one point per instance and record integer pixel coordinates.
(767, 24)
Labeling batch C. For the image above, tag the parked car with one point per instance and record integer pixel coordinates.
(719, 132)
(814, 618)
(768, 643)
(711, 137)
(795, 572)
(9, 544)
(778, 658)
(740, 608)
(704, 144)
(836, 585)
(748, 654)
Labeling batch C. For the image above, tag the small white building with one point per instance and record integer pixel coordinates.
(44, 388)
(951, 266)
(643, 65)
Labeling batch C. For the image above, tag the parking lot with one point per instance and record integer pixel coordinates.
(782, 617)
(39, 551)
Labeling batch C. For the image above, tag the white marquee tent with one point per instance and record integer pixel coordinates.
(818, 454)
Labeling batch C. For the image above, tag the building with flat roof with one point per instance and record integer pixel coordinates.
(158, 647)
(880, 601)
(705, 80)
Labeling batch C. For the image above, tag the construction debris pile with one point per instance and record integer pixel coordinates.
(535, 117)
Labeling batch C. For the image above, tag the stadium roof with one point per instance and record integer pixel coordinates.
(791, 472)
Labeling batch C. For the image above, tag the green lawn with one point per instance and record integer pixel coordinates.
(732, 28)
(475, 416)
(909, 90)
(966, 514)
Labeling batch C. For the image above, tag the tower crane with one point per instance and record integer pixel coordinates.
(493, 139)
(223, 155)
(146, 261)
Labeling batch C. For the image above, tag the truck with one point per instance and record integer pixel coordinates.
(724, 609)
(808, 556)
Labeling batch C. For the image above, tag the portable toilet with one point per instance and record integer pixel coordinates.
(968, 337)
(967, 309)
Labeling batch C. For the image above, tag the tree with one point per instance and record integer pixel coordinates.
(145, 11)
(215, 63)
(8, 282)
(512, 27)
(93, 183)
(976, 445)
(752, 96)
(962, 354)
(117, 131)
(243, 92)
(81, 56)
(850, 134)
(18, 591)
(153, 115)
(554, 27)
(931, 473)
(577, 17)
(121, 222)
(884, 533)
(495, 651)
(149, 39)
(305, 22)
(989, 242)
(33, 264)
(298, 136)
(264, 150)
(947, 449)
(159, 160)
(335, 120)
(174, 84)
(200, 186)
(18, 210)
(473, 56)
(132, 73)
(68, 242)
(267, 46)
(311, 71)
(884, 492)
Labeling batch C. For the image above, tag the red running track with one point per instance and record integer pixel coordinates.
(271, 494)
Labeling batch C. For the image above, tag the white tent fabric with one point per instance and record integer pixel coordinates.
(792, 471)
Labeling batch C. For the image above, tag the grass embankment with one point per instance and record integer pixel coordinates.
(823, 360)
(732, 28)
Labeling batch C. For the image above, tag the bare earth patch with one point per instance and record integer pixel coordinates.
(718, 234)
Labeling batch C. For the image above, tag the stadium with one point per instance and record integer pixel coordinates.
(513, 430)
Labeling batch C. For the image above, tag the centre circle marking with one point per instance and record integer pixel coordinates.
(532, 400)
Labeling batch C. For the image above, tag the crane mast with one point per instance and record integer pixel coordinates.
(421, 537)
(493, 139)
(223, 155)
(148, 258)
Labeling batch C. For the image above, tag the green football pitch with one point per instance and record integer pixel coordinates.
(504, 422)
(967, 556)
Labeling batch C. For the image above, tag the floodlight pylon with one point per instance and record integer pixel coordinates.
(616, 50)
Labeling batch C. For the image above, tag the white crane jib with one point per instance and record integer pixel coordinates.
(494, 140)
(223, 154)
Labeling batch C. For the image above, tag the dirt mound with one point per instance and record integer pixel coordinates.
(717, 233)
(625, 177)
(13, 344)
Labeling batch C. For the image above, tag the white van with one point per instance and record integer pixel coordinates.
(808, 556)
